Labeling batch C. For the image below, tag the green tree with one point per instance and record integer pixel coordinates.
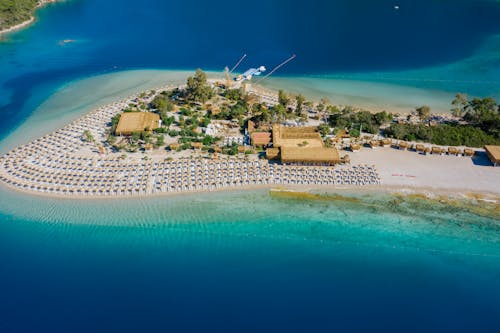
(459, 105)
(88, 136)
(114, 122)
(135, 136)
(324, 129)
(208, 140)
(160, 141)
(299, 99)
(424, 112)
(278, 112)
(13, 12)
(481, 109)
(233, 94)
(283, 98)
(198, 89)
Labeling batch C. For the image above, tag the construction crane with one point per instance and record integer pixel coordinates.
(277, 67)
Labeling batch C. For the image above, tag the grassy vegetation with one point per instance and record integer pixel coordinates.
(446, 135)
(482, 118)
(13, 12)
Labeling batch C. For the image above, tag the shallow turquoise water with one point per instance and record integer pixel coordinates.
(369, 53)
(245, 261)
(235, 261)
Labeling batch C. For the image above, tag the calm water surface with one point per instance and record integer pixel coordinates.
(245, 262)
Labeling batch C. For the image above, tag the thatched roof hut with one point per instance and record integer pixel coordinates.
(493, 153)
(452, 151)
(420, 148)
(272, 153)
(174, 146)
(196, 145)
(469, 152)
(403, 145)
(385, 142)
(131, 122)
(296, 136)
(355, 147)
(437, 150)
(310, 155)
(374, 143)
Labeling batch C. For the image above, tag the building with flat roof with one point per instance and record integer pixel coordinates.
(493, 153)
(260, 139)
(131, 122)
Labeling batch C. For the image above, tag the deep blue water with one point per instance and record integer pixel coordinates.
(329, 37)
(243, 263)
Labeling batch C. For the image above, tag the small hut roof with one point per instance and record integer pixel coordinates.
(196, 145)
(403, 144)
(355, 147)
(468, 151)
(272, 153)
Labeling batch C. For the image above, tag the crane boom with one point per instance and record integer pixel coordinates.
(278, 67)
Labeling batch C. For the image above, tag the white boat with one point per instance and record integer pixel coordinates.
(250, 73)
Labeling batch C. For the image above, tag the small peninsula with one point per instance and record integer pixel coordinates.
(215, 134)
(17, 14)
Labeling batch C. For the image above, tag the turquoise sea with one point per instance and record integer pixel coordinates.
(244, 261)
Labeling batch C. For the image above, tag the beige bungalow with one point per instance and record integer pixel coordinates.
(493, 153)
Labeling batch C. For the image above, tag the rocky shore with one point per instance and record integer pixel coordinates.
(40, 3)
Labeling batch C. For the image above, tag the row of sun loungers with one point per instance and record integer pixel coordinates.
(61, 163)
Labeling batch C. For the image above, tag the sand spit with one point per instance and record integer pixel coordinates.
(64, 164)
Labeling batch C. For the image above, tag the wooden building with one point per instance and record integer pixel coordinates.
(296, 136)
(131, 122)
(310, 155)
(493, 153)
(260, 139)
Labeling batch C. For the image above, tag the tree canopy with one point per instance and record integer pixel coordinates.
(13, 12)
(198, 89)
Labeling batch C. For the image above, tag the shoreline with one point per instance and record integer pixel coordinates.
(18, 26)
(60, 164)
(28, 22)
(418, 191)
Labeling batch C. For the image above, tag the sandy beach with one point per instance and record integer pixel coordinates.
(413, 171)
(60, 164)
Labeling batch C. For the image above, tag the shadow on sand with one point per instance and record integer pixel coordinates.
(481, 159)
